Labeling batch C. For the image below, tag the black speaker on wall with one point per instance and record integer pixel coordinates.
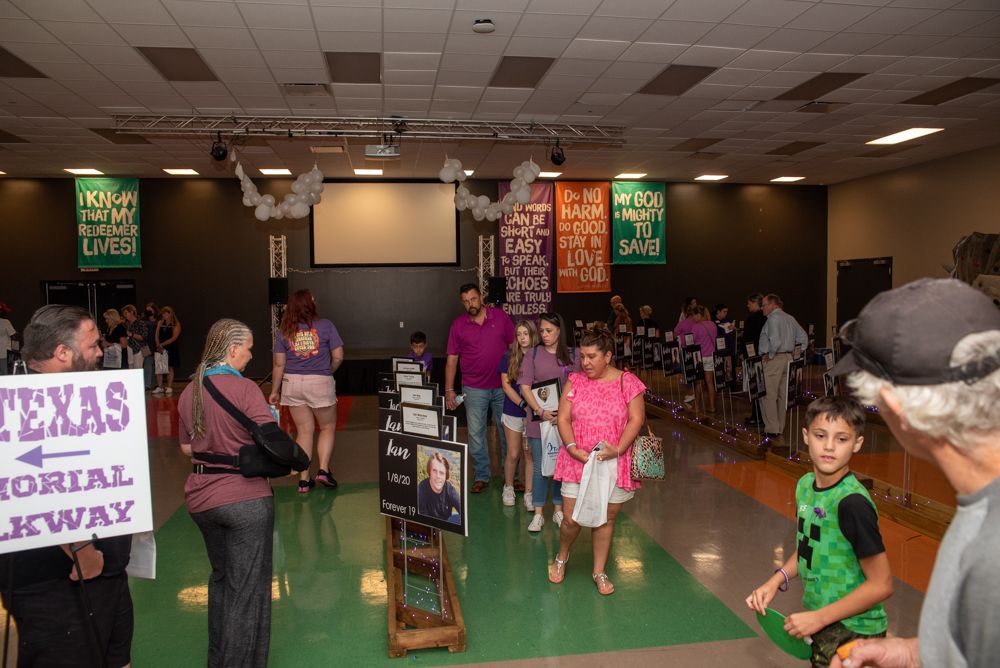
(277, 290)
(496, 290)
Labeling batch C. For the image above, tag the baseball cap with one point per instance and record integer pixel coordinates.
(907, 335)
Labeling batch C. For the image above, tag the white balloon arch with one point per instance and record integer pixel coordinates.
(307, 190)
(481, 206)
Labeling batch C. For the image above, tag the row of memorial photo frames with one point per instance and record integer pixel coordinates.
(422, 465)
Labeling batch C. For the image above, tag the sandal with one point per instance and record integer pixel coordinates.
(306, 485)
(604, 586)
(557, 570)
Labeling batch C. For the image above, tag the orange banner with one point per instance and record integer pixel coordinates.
(583, 239)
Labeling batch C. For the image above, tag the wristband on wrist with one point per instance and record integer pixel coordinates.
(783, 587)
(571, 444)
(449, 389)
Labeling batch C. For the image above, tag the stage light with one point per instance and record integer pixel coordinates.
(558, 156)
(219, 152)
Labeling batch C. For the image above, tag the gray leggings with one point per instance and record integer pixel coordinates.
(238, 538)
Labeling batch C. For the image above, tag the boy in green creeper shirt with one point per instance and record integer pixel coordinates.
(840, 556)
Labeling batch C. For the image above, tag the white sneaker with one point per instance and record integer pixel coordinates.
(689, 398)
(168, 391)
(557, 517)
(537, 522)
(508, 495)
(527, 501)
(158, 390)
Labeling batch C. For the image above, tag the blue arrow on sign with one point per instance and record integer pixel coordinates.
(36, 457)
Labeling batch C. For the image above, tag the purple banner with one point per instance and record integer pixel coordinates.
(526, 253)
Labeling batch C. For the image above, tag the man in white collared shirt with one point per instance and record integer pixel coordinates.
(778, 339)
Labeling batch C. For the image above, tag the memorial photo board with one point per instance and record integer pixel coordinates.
(796, 368)
(754, 374)
(423, 480)
(693, 367)
(671, 358)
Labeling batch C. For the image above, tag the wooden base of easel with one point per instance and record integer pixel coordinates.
(411, 627)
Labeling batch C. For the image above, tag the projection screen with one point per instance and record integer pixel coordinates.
(385, 224)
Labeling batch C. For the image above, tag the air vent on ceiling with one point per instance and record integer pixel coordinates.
(319, 150)
(821, 107)
(305, 89)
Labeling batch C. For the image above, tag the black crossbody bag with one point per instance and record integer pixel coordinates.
(273, 454)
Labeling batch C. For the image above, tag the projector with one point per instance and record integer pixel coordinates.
(382, 151)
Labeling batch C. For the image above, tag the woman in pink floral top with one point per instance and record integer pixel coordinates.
(600, 404)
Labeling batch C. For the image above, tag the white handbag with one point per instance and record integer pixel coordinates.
(596, 484)
(161, 364)
(113, 357)
(551, 443)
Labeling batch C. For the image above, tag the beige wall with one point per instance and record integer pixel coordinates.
(914, 215)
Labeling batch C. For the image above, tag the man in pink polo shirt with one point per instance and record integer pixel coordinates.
(479, 337)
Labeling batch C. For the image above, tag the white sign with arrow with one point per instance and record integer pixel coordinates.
(73, 458)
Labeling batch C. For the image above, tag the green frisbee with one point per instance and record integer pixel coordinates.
(774, 626)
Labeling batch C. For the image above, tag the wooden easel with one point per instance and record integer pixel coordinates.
(410, 626)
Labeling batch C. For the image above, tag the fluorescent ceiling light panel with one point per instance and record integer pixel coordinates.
(787, 179)
(3, 173)
(549, 175)
(275, 172)
(905, 135)
(368, 172)
(85, 172)
(711, 177)
(631, 175)
(181, 172)
(469, 172)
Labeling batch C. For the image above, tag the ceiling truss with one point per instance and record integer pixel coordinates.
(387, 129)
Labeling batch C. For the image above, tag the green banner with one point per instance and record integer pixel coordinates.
(638, 223)
(107, 223)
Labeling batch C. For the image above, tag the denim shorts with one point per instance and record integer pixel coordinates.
(312, 390)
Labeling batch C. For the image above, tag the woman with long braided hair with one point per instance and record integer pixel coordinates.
(235, 514)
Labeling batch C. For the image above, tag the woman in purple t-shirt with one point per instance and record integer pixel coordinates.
(307, 351)
(526, 338)
(551, 359)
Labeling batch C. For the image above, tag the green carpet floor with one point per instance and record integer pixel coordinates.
(330, 598)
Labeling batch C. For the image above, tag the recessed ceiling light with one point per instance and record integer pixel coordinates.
(368, 172)
(469, 172)
(787, 179)
(3, 173)
(181, 172)
(85, 171)
(631, 175)
(275, 172)
(549, 175)
(711, 177)
(905, 135)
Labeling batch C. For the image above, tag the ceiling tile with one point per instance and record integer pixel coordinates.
(543, 47)
(737, 36)
(576, 67)
(605, 99)
(550, 25)
(220, 38)
(735, 76)
(710, 56)
(494, 94)
(849, 42)
(458, 92)
(586, 7)
(24, 30)
(960, 47)
(607, 84)
(351, 41)
(892, 20)
(300, 74)
(409, 77)
(555, 82)
(56, 10)
(647, 9)
(768, 13)
(153, 35)
(470, 63)
(416, 20)
(597, 49)
(410, 61)
(788, 39)
(450, 78)
(602, 27)
(109, 55)
(294, 40)
(77, 71)
(223, 58)
(357, 90)
(203, 13)
(276, 16)
(503, 22)
(294, 58)
(637, 71)
(653, 52)
(342, 19)
(408, 92)
(149, 12)
(472, 45)
(904, 45)
(412, 41)
(676, 32)
(699, 10)
(39, 52)
(830, 17)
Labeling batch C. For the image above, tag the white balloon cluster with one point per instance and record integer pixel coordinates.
(307, 189)
(481, 206)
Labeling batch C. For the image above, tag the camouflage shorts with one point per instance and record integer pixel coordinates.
(826, 641)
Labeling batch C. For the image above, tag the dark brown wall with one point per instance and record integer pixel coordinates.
(205, 254)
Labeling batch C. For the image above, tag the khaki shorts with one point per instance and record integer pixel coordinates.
(571, 490)
(314, 391)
